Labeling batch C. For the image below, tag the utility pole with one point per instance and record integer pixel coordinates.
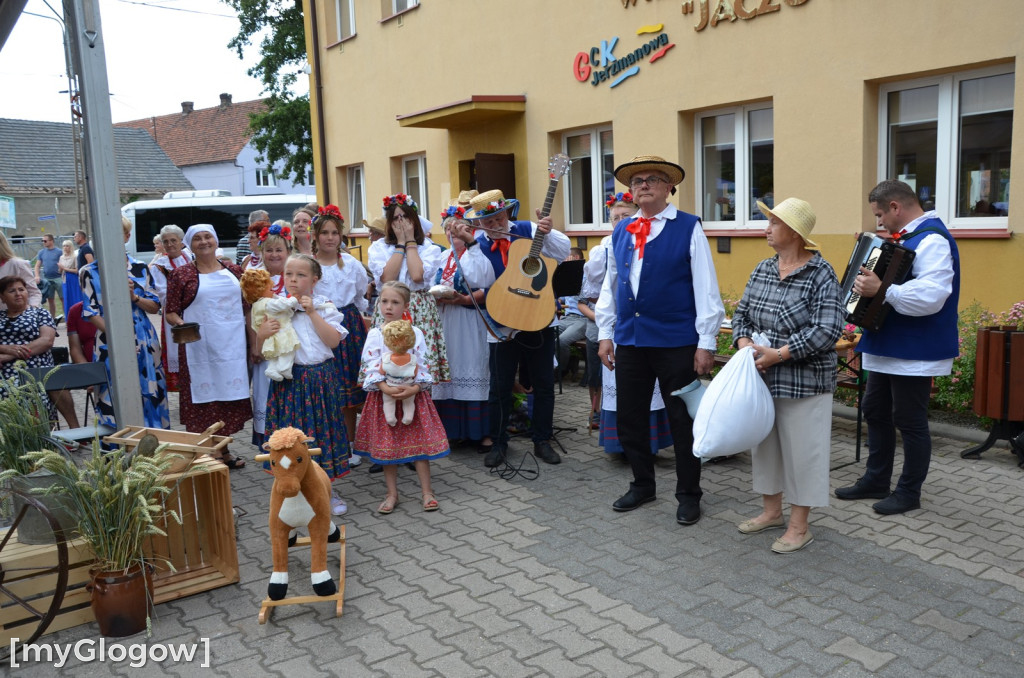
(89, 60)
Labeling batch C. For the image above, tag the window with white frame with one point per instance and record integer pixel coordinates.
(356, 196)
(735, 164)
(401, 5)
(265, 177)
(345, 18)
(949, 137)
(414, 181)
(590, 179)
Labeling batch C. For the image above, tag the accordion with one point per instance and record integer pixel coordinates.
(890, 262)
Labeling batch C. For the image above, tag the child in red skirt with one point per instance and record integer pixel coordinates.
(420, 440)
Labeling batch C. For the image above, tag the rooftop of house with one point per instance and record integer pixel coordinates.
(39, 157)
(201, 136)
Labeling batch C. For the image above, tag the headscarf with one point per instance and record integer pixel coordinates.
(199, 228)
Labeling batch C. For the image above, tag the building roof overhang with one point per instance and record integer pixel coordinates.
(476, 110)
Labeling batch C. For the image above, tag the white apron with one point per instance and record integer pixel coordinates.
(217, 363)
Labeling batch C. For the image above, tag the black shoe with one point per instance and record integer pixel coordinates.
(894, 504)
(546, 453)
(496, 457)
(688, 513)
(376, 468)
(630, 501)
(859, 491)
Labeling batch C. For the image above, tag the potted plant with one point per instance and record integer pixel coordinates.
(117, 501)
(25, 427)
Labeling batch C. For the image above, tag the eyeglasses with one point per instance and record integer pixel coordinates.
(636, 182)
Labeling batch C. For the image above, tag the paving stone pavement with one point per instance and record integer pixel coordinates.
(541, 578)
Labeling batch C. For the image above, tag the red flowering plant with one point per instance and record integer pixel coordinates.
(400, 199)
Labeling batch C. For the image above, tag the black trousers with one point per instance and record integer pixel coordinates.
(535, 351)
(636, 369)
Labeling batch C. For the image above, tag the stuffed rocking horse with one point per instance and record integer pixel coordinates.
(301, 496)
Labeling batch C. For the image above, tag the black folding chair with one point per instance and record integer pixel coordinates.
(72, 377)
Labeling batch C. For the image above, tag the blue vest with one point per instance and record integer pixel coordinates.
(517, 228)
(664, 313)
(930, 337)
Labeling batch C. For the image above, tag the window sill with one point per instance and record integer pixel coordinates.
(586, 231)
(980, 233)
(714, 232)
(341, 42)
(399, 14)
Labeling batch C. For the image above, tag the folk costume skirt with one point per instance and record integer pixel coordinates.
(347, 358)
(423, 438)
(309, 402)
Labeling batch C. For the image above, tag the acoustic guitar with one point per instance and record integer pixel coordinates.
(522, 297)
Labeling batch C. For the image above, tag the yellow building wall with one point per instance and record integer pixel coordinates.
(820, 63)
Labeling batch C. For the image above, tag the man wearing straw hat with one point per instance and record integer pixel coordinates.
(661, 305)
(491, 213)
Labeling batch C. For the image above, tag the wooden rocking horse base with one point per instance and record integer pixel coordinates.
(267, 606)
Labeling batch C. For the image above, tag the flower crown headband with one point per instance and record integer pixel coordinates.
(400, 199)
(276, 229)
(618, 197)
(330, 211)
(493, 207)
(453, 211)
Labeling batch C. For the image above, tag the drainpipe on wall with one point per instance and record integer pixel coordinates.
(318, 85)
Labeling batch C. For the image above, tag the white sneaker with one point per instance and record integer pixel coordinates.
(338, 506)
(354, 460)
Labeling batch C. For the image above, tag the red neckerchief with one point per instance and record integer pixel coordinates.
(448, 273)
(898, 236)
(641, 228)
(503, 244)
(406, 316)
(171, 262)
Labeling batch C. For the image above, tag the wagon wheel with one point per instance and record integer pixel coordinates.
(31, 588)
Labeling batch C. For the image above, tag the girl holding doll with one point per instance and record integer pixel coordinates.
(309, 400)
(344, 282)
(423, 438)
(275, 245)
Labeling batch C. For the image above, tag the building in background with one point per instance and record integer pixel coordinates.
(755, 99)
(37, 170)
(211, 147)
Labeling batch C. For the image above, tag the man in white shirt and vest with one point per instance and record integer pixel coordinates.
(658, 318)
(918, 341)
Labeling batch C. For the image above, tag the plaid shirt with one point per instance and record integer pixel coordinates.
(803, 311)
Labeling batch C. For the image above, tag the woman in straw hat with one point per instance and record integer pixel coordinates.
(407, 256)
(793, 298)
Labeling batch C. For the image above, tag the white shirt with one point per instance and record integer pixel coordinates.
(159, 279)
(374, 348)
(476, 268)
(924, 295)
(710, 311)
(596, 267)
(430, 254)
(312, 350)
(345, 284)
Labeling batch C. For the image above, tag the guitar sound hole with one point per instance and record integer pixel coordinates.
(531, 266)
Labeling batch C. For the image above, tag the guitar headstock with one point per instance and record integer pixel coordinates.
(558, 166)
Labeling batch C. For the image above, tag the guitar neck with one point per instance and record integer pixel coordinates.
(538, 240)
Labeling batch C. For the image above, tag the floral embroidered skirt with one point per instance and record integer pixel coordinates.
(347, 358)
(423, 438)
(309, 402)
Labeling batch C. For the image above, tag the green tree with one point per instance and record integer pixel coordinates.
(282, 132)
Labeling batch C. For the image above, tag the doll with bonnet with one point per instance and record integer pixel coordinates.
(399, 368)
(278, 349)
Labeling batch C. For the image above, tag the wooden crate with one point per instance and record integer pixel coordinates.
(188, 445)
(202, 548)
(36, 587)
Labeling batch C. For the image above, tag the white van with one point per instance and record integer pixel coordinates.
(229, 215)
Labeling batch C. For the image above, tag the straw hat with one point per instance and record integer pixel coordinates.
(648, 163)
(795, 213)
(377, 225)
(464, 198)
(489, 203)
